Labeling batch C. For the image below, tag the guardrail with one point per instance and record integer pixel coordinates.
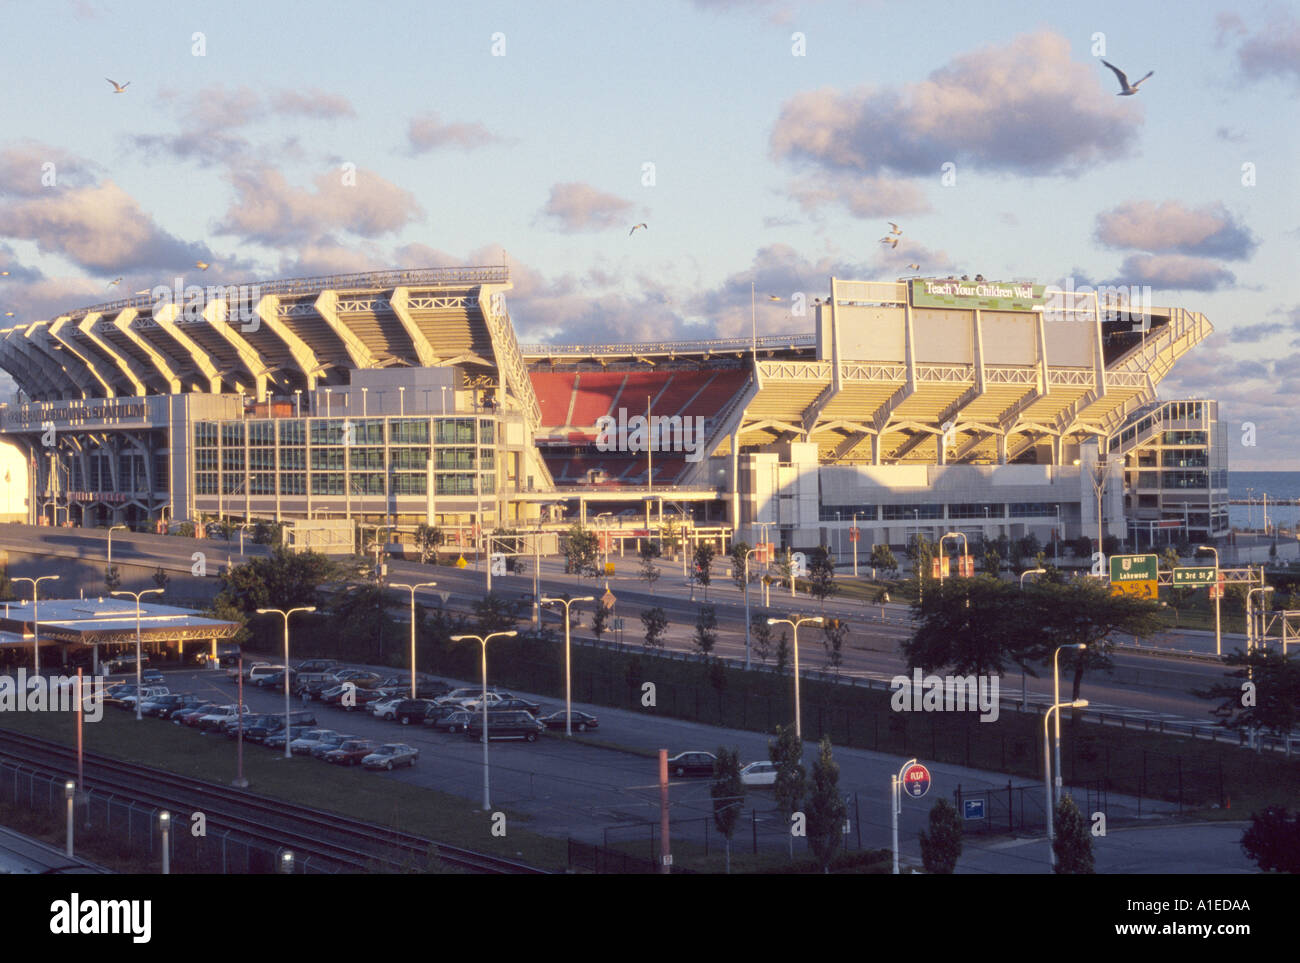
(672, 347)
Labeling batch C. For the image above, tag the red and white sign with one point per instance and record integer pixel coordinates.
(853, 533)
(966, 566)
(916, 780)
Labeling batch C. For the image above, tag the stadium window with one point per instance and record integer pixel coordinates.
(205, 483)
(205, 434)
(410, 431)
(409, 483)
(294, 432)
(294, 483)
(1033, 509)
(485, 428)
(232, 434)
(261, 433)
(327, 483)
(293, 459)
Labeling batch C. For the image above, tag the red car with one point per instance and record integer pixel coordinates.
(351, 752)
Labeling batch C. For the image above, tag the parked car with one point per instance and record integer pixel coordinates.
(276, 739)
(384, 708)
(155, 706)
(361, 699)
(328, 744)
(233, 674)
(262, 671)
(494, 700)
(152, 677)
(693, 764)
(125, 662)
(458, 697)
(146, 693)
(512, 703)
(318, 665)
(182, 717)
(226, 714)
(449, 719)
(513, 724)
(233, 728)
(759, 774)
(274, 723)
(351, 752)
(274, 681)
(582, 721)
(309, 740)
(410, 710)
(187, 702)
(391, 755)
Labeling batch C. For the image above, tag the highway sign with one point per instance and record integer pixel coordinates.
(444, 596)
(608, 599)
(916, 780)
(1202, 575)
(972, 808)
(966, 566)
(1134, 575)
(609, 568)
(941, 567)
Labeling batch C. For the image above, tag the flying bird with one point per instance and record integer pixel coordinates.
(202, 265)
(4, 274)
(9, 314)
(895, 229)
(915, 267)
(115, 282)
(891, 241)
(1127, 89)
(635, 226)
(119, 88)
(773, 297)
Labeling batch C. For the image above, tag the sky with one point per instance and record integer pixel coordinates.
(764, 142)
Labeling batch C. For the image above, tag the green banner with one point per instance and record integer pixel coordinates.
(1134, 568)
(1194, 576)
(986, 295)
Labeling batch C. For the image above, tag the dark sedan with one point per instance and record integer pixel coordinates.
(351, 752)
(582, 721)
(693, 764)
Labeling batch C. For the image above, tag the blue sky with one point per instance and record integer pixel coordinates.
(768, 166)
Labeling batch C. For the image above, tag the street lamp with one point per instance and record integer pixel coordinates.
(568, 694)
(70, 790)
(1056, 699)
(1032, 571)
(1218, 590)
(610, 516)
(483, 641)
(110, 543)
(138, 657)
(36, 624)
(165, 824)
(1252, 642)
(285, 614)
(412, 588)
(401, 401)
(794, 623)
(1047, 769)
(747, 554)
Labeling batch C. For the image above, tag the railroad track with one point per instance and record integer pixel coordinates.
(352, 845)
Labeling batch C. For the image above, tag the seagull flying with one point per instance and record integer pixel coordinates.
(915, 267)
(895, 229)
(202, 265)
(773, 297)
(119, 88)
(1128, 90)
(635, 226)
(891, 241)
(9, 314)
(115, 282)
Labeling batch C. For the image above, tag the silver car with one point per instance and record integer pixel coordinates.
(390, 756)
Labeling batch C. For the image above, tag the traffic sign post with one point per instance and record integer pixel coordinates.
(913, 779)
(1195, 576)
(972, 808)
(1136, 575)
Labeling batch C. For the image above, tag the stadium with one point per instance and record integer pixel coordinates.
(395, 398)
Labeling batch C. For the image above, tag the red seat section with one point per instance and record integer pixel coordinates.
(554, 390)
(595, 395)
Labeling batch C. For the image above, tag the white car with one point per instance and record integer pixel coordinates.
(458, 697)
(759, 774)
(309, 740)
(385, 708)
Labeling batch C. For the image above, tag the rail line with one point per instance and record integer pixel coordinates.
(353, 845)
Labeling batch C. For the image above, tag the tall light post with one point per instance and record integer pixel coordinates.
(747, 554)
(138, 657)
(36, 623)
(964, 550)
(794, 623)
(854, 537)
(610, 516)
(411, 589)
(1218, 590)
(110, 544)
(1047, 769)
(1032, 571)
(70, 791)
(568, 688)
(165, 824)
(483, 641)
(1056, 699)
(1253, 638)
(285, 614)
(1098, 479)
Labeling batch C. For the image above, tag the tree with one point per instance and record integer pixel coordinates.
(649, 570)
(268, 533)
(656, 624)
(704, 555)
(821, 576)
(706, 629)
(283, 579)
(972, 625)
(738, 563)
(112, 578)
(426, 540)
(1266, 697)
(1084, 612)
(782, 654)
(161, 578)
(581, 550)
(1110, 545)
(941, 846)
(834, 632)
(882, 557)
(992, 563)
(600, 619)
(670, 539)
(783, 566)
(1029, 546)
(761, 635)
(728, 794)
(1273, 840)
(1073, 842)
(496, 613)
(1168, 559)
(786, 753)
(826, 808)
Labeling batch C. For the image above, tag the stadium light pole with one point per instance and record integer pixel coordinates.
(747, 554)
(1056, 699)
(1218, 591)
(568, 687)
(138, 657)
(36, 623)
(285, 614)
(794, 623)
(853, 541)
(1047, 769)
(483, 641)
(412, 588)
